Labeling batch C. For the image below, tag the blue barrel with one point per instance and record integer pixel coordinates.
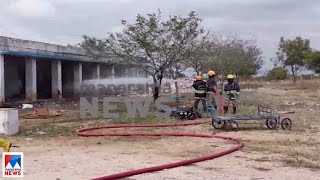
(179, 97)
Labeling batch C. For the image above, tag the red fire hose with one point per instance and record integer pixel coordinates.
(84, 132)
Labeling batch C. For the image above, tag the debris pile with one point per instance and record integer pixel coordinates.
(41, 113)
(184, 85)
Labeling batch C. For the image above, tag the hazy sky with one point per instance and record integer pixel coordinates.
(64, 21)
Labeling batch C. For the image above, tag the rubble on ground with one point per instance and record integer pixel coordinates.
(285, 112)
(184, 85)
(27, 106)
(41, 113)
(290, 103)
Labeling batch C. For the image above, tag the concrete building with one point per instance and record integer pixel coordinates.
(32, 70)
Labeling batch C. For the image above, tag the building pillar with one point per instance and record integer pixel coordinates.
(127, 72)
(77, 79)
(137, 72)
(56, 79)
(98, 71)
(112, 71)
(31, 79)
(2, 82)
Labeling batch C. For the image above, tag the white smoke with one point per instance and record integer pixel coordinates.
(184, 84)
(118, 81)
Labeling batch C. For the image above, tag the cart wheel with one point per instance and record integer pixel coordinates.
(271, 123)
(198, 115)
(173, 115)
(218, 124)
(286, 124)
(181, 117)
(231, 125)
(192, 116)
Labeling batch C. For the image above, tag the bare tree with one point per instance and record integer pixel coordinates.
(232, 54)
(197, 52)
(150, 43)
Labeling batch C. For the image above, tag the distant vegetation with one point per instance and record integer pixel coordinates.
(278, 73)
(170, 45)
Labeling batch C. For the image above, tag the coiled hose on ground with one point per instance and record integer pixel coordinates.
(88, 132)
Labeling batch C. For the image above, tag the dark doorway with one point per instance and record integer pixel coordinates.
(67, 79)
(14, 78)
(89, 71)
(105, 71)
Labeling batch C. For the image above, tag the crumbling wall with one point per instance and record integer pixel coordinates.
(19, 45)
(24, 47)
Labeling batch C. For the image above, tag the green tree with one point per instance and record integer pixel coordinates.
(313, 61)
(292, 54)
(232, 54)
(278, 73)
(154, 44)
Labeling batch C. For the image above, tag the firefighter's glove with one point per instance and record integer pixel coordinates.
(6, 145)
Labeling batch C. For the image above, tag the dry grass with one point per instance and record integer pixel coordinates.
(294, 153)
(262, 169)
(312, 84)
(308, 84)
(66, 124)
(297, 148)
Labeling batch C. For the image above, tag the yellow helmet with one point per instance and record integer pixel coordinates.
(211, 73)
(230, 76)
(199, 78)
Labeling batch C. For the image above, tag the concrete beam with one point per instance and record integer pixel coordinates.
(31, 79)
(56, 81)
(77, 79)
(2, 83)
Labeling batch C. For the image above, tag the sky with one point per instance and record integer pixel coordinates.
(65, 21)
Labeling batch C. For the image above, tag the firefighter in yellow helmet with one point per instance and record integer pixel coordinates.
(6, 145)
(232, 90)
(200, 92)
(212, 87)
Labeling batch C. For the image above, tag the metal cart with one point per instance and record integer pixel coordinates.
(264, 113)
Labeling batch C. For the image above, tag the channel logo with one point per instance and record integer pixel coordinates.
(12, 164)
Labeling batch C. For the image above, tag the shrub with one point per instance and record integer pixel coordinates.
(278, 73)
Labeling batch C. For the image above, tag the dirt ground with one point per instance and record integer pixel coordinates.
(53, 151)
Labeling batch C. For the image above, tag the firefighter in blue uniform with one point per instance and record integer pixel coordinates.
(232, 90)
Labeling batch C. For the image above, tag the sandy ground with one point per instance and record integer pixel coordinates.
(268, 154)
(86, 158)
